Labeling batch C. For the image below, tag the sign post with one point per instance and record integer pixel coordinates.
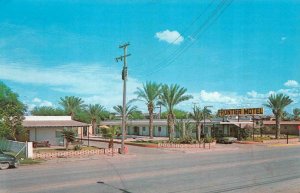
(243, 111)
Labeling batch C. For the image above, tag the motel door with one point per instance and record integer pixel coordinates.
(136, 130)
(84, 131)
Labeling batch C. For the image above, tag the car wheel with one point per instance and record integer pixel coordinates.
(4, 166)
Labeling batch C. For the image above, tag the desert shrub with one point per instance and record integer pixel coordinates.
(208, 140)
(77, 147)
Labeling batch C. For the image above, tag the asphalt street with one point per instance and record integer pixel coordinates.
(235, 168)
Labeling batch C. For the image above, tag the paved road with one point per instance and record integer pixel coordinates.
(237, 168)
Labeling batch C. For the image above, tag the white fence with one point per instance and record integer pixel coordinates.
(21, 147)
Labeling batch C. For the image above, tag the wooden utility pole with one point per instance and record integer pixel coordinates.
(124, 78)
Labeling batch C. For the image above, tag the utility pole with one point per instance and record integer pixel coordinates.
(124, 78)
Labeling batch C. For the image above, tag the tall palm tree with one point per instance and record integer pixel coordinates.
(95, 113)
(296, 114)
(149, 94)
(71, 104)
(197, 115)
(170, 97)
(277, 102)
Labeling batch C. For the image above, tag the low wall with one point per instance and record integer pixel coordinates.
(175, 145)
(71, 153)
(281, 141)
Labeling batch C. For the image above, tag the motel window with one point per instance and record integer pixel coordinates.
(144, 128)
(159, 129)
(58, 133)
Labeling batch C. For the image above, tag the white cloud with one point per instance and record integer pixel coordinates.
(37, 100)
(217, 97)
(172, 37)
(46, 103)
(291, 83)
(283, 38)
(93, 82)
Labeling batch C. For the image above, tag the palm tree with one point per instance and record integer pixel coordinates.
(149, 94)
(71, 104)
(296, 113)
(129, 111)
(110, 132)
(197, 115)
(277, 102)
(69, 135)
(170, 97)
(95, 113)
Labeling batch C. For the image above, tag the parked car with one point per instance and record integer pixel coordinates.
(227, 140)
(7, 161)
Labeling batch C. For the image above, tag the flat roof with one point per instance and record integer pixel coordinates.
(59, 123)
(282, 122)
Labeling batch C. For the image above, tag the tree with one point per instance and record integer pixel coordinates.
(296, 114)
(286, 116)
(184, 129)
(130, 110)
(170, 97)
(110, 132)
(136, 115)
(149, 94)
(69, 135)
(197, 115)
(179, 114)
(47, 111)
(95, 113)
(277, 103)
(71, 105)
(11, 113)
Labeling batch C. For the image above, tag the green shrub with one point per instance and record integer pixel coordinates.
(4, 144)
(208, 140)
(77, 147)
(184, 140)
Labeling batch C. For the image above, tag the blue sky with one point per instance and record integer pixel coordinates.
(234, 56)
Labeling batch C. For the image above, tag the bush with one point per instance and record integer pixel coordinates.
(77, 147)
(184, 140)
(245, 133)
(208, 140)
(4, 144)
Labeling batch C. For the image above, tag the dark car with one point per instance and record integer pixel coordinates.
(7, 161)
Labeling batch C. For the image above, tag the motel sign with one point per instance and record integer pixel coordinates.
(246, 111)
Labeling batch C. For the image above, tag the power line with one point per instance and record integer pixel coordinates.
(183, 33)
(179, 52)
(213, 17)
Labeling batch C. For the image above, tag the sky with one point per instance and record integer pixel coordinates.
(228, 54)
